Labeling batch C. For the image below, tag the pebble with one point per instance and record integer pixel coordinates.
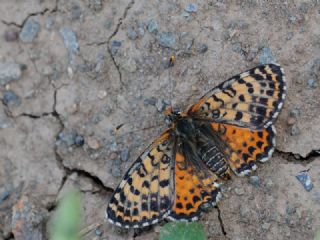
(255, 181)
(291, 121)
(4, 195)
(295, 113)
(113, 156)
(152, 26)
(290, 209)
(10, 71)
(167, 39)
(239, 191)
(266, 226)
(10, 99)
(29, 31)
(115, 171)
(269, 184)
(11, 35)
(141, 29)
(124, 155)
(68, 138)
(132, 34)
(312, 83)
(102, 94)
(98, 232)
(304, 178)
(202, 48)
(69, 39)
(266, 56)
(150, 101)
(76, 12)
(191, 8)
(289, 36)
(79, 140)
(93, 143)
(115, 45)
(236, 47)
(315, 68)
(160, 105)
(294, 131)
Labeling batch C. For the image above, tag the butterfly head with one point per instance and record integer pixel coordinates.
(172, 115)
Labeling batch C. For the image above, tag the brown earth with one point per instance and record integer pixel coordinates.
(85, 67)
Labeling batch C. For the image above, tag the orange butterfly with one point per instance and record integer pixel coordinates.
(177, 176)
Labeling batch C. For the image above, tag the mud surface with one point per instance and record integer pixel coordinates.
(72, 71)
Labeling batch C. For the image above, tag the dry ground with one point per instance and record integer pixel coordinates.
(71, 71)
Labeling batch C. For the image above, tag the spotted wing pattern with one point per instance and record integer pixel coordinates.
(146, 193)
(252, 99)
(195, 187)
(244, 146)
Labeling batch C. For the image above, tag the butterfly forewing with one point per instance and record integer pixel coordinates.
(252, 99)
(146, 193)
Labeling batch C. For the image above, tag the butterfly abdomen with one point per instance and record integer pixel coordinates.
(214, 159)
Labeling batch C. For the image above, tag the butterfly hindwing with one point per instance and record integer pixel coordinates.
(252, 99)
(245, 146)
(146, 193)
(195, 187)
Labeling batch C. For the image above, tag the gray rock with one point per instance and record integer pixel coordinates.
(29, 31)
(132, 34)
(191, 8)
(152, 26)
(4, 195)
(140, 29)
(269, 184)
(9, 72)
(202, 48)
(239, 191)
(255, 181)
(295, 113)
(98, 232)
(315, 68)
(124, 155)
(237, 47)
(115, 171)
(70, 138)
(76, 12)
(115, 45)
(167, 39)
(150, 101)
(290, 209)
(11, 35)
(304, 178)
(79, 140)
(312, 83)
(160, 105)
(266, 56)
(10, 99)
(69, 39)
(266, 226)
(294, 130)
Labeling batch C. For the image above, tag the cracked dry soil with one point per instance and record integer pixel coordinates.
(89, 66)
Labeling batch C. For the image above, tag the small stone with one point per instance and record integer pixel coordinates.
(113, 156)
(312, 83)
(29, 31)
(290, 209)
(292, 18)
(102, 94)
(124, 155)
(10, 99)
(4, 195)
(79, 140)
(115, 45)
(266, 56)
(255, 181)
(132, 34)
(141, 29)
(93, 143)
(237, 47)
(239, 191)
(49, 23)
(315, 68)
(167, 39)
(115, 171)
(68, 137)
(239, 24)
(152, 26)
(11, 35)
(98, 232)
(289, 36)
(150, 101)
(202, 48)
(160, 105)
(291, 121)
(294, 131)
(304, 178)
(9, 72)
(76, 12)
(69, 39)
(266, 226)
(295, 113)
(191, 8)
(269, 184)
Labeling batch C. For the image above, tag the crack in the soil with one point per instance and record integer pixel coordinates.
(297, 158)
(221, 222)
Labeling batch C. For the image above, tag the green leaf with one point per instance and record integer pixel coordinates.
(317, 236)
(182, 231)
(66, 221)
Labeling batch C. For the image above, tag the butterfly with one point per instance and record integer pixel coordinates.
(228, 130)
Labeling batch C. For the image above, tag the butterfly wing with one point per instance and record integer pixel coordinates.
(195, 186)
(146, 193)
(251, 99)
